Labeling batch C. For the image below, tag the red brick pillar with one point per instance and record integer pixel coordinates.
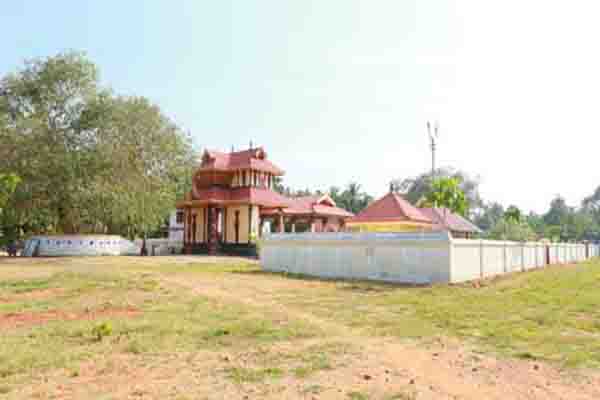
(212, 231)
(281, 224)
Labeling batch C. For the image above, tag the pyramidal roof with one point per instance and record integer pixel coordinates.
(391, 208)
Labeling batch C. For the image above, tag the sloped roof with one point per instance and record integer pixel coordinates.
(252, 195)
(449, 220)
(312, 205)
(255, 159)
(391, 207)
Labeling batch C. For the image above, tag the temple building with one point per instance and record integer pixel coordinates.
(392, 213)
(233, 200)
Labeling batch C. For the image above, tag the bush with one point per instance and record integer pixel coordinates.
(101, 331)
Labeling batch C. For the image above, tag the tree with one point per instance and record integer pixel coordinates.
(89, 160)
(416, 188)
(8, 184)
(536, 222)
(558, 212)
(510, 229)
(591, 204)
(513, 213)
(352, 199)
(446, 192)
(489, 216)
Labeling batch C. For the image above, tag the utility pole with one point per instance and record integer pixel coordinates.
(433, 137)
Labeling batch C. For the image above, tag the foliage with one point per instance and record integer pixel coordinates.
(89, 160)
(102, 330)
(558, 212)
(489, 216)
(513, 214)
(352, 199)
(8, 184)
(511, 229)
(416, 188)
(446, 193)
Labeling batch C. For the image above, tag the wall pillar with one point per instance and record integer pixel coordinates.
(293, 226)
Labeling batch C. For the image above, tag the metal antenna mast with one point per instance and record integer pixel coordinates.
(433, 137)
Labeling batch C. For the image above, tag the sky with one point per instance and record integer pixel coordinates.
(339, 91)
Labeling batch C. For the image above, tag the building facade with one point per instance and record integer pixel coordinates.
(176, 226)
(392, 213)
(233, 197)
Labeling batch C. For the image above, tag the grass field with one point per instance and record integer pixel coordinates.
(184, 327)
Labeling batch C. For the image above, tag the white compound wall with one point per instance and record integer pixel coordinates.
(411, 257)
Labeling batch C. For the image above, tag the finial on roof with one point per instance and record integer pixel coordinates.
(251, 145)
(232, 149)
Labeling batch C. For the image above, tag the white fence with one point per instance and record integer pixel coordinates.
(409, 257)
(475, 259)
(78, 245)
(161, 247)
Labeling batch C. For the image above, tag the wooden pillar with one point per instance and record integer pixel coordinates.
(236, 225)
(249, 222)
(194, 228)
(212, 231)
(186, 226)
(225, 225)
(281, 224)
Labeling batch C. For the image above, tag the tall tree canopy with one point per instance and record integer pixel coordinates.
(558, 212)
(8, 184)
(513, 213)
(88, 160)
(416, 188)
(352, 198)
(446, 193)
(489, 216)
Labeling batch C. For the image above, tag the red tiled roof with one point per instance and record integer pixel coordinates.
(389, 208)
(311, 205)
(449, 220)
(247, 159)
(252, 195)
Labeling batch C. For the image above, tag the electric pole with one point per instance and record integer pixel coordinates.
(433, 137)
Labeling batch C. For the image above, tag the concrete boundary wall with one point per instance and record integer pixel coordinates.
(393, 257)
(78, 245)
(411, 257)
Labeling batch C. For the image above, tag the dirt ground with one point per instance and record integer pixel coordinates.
(368, 367)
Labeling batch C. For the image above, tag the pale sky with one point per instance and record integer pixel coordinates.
(340, 90)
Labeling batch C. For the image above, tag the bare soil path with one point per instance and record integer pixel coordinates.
(343, 360)
(390, 368)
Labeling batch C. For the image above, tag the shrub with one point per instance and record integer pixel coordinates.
(102, 330)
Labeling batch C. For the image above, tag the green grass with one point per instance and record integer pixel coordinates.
(301, 362)
(357, 396)
(551, 314)
(170, 319)
(242, 375)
